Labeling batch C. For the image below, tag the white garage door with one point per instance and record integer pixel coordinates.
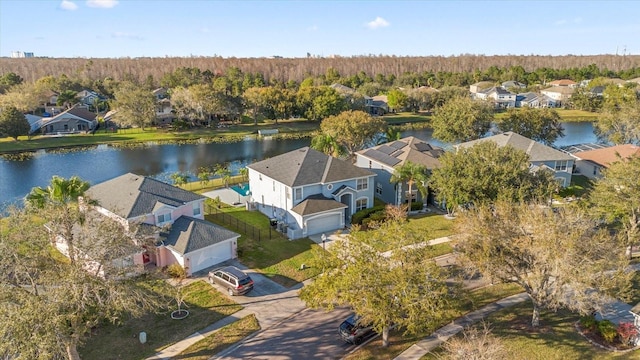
(209, 256)
(323, 224)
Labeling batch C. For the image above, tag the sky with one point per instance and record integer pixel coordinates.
(293, 29)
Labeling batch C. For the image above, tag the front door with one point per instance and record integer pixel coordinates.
(347, 200)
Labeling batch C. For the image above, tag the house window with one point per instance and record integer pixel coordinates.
(363, 184)
(361, 204)
(561, 165)
(369, 164)
(163, 218)
(298, 194)
(378, 189)
(595, 170)
(196, 209)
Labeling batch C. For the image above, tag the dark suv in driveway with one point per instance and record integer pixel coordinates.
(233, 279)
(353, 331)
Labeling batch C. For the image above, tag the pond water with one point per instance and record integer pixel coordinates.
(104, 162)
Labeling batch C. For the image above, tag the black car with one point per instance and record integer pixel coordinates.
(353, 331)
(233, 279)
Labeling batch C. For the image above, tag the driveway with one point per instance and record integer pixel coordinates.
(269, 301)
(311, 334)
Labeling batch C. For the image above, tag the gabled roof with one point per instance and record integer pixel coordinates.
(132, 195)
(562, 82)
(606, 156)
(342, 88)
(316, 204)
(535, 150)
(80, 112)
(512, 83)
(307, 166)
(483, 84)
(398, 152)
(189, 234)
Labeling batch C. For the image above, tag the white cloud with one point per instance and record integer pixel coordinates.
(68, 5)
(377, 23)
(104, 4)
(124, 35)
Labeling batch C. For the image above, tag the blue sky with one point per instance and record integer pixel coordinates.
(138, 28)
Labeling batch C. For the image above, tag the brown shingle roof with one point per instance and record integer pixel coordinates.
(607, 156)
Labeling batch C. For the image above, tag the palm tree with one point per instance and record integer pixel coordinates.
(203, 175)
(59, 201)
(412, 174)
(223, 171)
(179, 178)
(328, 145)
(244, 172)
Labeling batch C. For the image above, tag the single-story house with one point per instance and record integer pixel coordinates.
(540, 155)
(76, 119)
(181, 234)
(563, 82)
(534, 100)
(384, 159)
(308, 192)
(590, 163)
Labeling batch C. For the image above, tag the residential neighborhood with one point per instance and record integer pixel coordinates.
(319, 208)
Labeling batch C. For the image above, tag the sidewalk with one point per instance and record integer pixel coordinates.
(419, 349)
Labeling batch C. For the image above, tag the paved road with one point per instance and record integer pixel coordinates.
(307, 335)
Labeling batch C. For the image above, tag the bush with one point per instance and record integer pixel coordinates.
(176, 271)
(365, 213)
(627, 332)
(416, 205)
(589, 322)
(608, 330)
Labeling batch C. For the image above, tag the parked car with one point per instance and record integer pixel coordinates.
(353, 331)
(233, 279)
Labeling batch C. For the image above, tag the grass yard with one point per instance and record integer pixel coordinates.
(398, 343)
(233, 133)
(555, 339)
(566, 115)
(205, 304)
(278, 258)
(579, 186)
(432, 225)
(221, 339)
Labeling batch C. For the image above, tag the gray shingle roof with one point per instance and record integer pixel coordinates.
(189, 234)
(307, 166)
(82, 113)
(316, 204)
(404, 150)
(535, 150)
(132, 195)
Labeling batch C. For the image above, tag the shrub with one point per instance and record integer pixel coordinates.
(176, 271)
(365, 213)
(416, 205)
(627, 332)
(608, 330)
(589, 322)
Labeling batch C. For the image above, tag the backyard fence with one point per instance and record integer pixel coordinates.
(233, 223)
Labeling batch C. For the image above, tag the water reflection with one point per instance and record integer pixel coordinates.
(103, 162)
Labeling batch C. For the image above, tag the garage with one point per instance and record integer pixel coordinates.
(209, 256)
(324, 223)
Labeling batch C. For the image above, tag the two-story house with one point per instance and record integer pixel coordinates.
(500, 97)
(181, 234)
(309, 192)
(540, 156)
(384, 159)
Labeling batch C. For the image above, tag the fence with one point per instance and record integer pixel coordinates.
(233, 223)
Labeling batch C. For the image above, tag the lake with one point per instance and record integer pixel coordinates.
(104, 162)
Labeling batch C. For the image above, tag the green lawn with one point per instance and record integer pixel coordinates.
(399, 342)
(555, 339)
(205, 304)
(579, 186)
(278, 258)
(567, 115)
(221, 339)
(432, 225)
(287, 128)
